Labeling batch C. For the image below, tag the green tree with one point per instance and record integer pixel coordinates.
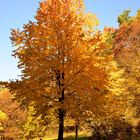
(124, 17)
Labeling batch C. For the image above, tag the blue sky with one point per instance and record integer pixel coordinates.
(14, 13)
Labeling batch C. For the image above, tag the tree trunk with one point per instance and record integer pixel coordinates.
(61, 111)
(76, 132)
(61, 124)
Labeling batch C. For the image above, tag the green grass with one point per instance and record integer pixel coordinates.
(69, 136)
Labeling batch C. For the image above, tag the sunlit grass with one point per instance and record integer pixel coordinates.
(69, 136)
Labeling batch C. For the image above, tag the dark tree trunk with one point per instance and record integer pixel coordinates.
(76, 131)
(61, 111)
(61, 124)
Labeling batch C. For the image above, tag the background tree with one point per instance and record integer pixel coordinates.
(125, 17)
(116, 103)
(13, 117)
(3, 118)
(127, 54)
(35, 126)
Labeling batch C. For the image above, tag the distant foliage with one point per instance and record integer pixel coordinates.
(11, 117)
(124, 17)
(35, 126)
(127, 54)
(3, 117)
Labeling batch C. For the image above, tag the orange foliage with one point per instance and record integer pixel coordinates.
(15, 117)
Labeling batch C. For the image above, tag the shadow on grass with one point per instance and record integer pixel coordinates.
(73, 138)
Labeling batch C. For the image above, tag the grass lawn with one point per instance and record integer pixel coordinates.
(69, 136)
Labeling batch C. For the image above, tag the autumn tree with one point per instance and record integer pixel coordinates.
(116, 104)
(3, 117)
(11, 117)
(58, 59)
(35, 126)
(127, 54)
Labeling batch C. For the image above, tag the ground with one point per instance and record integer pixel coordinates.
(68, 136)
